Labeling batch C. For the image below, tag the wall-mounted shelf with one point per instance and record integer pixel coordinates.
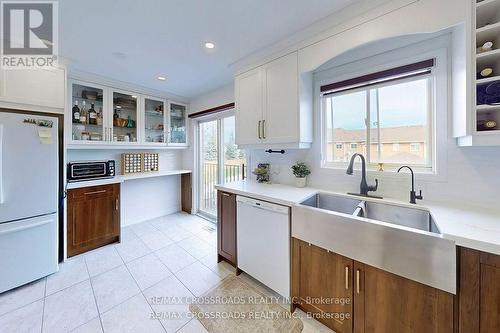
(488, 79)
(489, 32)
(476, 110)
(486, 14)
(486, 107)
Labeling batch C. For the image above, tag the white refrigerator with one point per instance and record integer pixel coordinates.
(29, 168)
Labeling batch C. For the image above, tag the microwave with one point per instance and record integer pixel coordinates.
(86, 170)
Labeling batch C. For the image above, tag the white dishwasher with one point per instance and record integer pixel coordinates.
(263, 242)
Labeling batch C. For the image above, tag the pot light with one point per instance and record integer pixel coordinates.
(209, 45)
(161, 78)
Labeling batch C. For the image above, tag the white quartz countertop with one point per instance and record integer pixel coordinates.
(122, 178)
(469, 226)
(276, 193)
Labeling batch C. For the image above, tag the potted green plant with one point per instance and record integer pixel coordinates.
(262, 173)
(300, 171)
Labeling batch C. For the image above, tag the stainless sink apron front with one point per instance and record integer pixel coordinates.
(418, 255)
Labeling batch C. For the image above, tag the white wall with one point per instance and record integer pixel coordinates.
(221, 96)
(142, 199)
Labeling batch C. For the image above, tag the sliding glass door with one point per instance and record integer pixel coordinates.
(209, 156)
(220, 160)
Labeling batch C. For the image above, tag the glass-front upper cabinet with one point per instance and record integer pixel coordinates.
(124, 117)
(154, 120)
(87, 117)
(178, 124)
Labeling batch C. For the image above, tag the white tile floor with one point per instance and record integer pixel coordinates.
(113, 289)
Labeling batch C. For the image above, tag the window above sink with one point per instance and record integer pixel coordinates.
(391, 107)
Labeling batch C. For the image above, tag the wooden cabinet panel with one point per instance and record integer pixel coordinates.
(489, 309)
(93, 218)
(322, 284)
(226, 229)
(186, 193)
(385, 302)
(479, 292)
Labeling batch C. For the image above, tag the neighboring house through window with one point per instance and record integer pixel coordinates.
(387, 116)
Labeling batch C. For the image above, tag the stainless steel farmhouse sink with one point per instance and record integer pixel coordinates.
(397, 238)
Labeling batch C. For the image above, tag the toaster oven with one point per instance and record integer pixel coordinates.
(87, 170)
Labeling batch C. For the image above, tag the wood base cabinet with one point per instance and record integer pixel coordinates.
(322, 285)
(93, 217)
(380, 302)
(479, 292)
(226, 228)
(385, 302)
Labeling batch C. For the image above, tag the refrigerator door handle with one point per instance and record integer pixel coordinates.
(24, 227)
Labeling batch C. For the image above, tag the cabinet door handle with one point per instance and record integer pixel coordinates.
(116, 204)
(95, 192)
(357, 281)
(346, 277)
(264, 129)
(258, 129)
(225, 194)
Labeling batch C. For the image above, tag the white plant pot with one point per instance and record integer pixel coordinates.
(300, 182)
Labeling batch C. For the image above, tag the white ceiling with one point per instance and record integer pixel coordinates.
(135, 41)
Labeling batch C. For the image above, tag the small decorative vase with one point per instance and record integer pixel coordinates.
(300, 182)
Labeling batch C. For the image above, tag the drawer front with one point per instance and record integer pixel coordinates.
(94, 192)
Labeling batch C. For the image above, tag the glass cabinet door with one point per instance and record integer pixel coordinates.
(154, 121)
(124, 117)
(87, 118)
(178, 126)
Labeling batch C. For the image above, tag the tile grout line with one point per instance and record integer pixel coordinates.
(144, 296)
(93, 294)
(20, 307)
(43, 307)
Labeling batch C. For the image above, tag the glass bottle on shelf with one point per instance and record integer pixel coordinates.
(92, 115)
(99, 117)
(83, 114)
(76, 113)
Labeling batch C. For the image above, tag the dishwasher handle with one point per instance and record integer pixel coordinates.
(258, 204)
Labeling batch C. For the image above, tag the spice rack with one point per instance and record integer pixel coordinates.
(486, 39)
(139, 162)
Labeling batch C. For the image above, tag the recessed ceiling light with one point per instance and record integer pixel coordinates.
(161, 78)
(209, 45)
(119, 55)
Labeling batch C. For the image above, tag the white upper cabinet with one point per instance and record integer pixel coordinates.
(36, 89)
(177, 124)
(281, 118)
(273, 106)
(103, 117)
(249, 91)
